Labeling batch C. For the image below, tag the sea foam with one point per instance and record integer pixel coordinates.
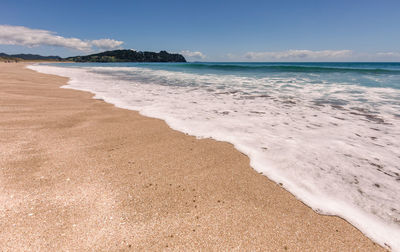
(335, 146)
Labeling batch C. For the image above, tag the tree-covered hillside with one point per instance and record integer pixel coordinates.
(129, 56)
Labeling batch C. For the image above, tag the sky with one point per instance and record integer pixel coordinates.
(284, 30)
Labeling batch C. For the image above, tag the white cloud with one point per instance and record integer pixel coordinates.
(195, 55)
(299, 55)
(389, 54)
(24, 36)
(106, 44)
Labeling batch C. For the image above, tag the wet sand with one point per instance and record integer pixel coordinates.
(79, 174)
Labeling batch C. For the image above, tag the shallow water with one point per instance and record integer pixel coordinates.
(329, 132)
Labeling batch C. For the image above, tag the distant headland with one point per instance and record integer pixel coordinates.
(129, 56)
(107, 56)
(20, 57)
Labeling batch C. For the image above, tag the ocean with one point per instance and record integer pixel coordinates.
(328, 132)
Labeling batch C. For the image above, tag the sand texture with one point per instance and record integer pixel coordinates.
(80, 174)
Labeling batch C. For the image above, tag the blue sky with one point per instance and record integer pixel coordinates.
(209, 30)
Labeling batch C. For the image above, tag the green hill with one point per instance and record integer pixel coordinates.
(28, 57)
(129, 56)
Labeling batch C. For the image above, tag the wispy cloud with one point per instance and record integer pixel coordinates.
(24, 36)
(106, 44)
(194, 55)
(298, 55)
(389, 54)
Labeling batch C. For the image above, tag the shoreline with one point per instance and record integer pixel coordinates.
(202, 192)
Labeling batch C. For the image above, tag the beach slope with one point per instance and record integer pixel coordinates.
(77, 173)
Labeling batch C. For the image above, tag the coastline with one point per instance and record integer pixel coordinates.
(91, 175)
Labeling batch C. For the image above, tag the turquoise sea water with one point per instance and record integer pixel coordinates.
(365, 74)
(329, 132)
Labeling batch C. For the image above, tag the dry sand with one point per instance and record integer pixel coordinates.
(78, 174)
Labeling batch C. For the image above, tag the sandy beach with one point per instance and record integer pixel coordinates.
(80, 174)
